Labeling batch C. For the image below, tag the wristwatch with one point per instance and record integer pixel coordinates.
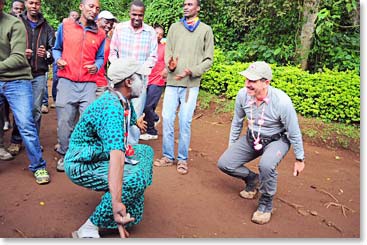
(300, 160)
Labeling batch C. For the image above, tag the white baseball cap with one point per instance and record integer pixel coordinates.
(106, 15)
(257, 71)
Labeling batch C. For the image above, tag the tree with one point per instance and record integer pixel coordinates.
(310, 11)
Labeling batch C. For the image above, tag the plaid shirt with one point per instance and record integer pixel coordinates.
(140, 45)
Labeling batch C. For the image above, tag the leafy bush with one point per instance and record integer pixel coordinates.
(163, 12)
(329, 95)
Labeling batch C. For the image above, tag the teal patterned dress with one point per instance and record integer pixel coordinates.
(100, 130)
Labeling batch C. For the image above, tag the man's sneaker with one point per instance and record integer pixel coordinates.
(6, 125)
(14, 149)
(44, 109)
(252, 182)
(60, 165)
(53, 105)
(4, 155)
(261, 218)
(263, 212)
(148, 137)
(42, 176)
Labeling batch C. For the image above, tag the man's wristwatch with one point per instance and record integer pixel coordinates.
(299, 160)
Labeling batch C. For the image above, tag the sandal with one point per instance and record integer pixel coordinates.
(163, 162)
(182, 167)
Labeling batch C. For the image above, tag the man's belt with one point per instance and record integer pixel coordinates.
(266, 139)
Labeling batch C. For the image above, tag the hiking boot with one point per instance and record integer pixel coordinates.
(4, 155)
(148, 137)
(261, 218)
(42, 176)
(44, 109)
(14, 148)
(252, 182)
(60, 165)
(263, 212)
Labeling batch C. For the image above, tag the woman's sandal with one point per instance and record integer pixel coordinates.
(182, 167)
(163, 162)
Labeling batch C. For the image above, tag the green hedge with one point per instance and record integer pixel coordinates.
(330, 95)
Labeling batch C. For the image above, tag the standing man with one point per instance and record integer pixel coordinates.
(16, 87)
(105, 21)
(272, 127)
(137, 40)
(74, 15)
(98, 157)
(76, 87)
(156, 83)
(40, 40)
(189, 53)
(17, 7)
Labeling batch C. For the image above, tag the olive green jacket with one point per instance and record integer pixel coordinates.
(13, 63)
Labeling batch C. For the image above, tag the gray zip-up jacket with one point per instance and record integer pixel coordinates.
(279, 116)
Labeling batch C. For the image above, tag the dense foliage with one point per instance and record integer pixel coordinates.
(329, 95)
(251, 30)
(269, 30)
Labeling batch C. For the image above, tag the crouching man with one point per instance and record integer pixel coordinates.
(272, 128)
(99, 157)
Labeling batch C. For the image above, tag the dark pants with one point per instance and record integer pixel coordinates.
(154, 93)
(55, 80)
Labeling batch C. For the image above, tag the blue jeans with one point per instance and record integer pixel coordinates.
(19, 95)
(38, 91)
(38, 88)
(139, 104)
(45, 95)
(174, 97)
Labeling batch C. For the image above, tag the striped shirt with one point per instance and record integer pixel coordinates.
(140, 45)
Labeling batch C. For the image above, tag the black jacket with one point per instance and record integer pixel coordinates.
(44, 35)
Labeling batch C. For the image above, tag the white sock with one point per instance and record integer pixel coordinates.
(88, 230)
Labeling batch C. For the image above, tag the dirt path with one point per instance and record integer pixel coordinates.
(205, 203)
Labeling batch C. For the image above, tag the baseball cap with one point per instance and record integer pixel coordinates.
(120, 69)
(106, 15)
(258, 70)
